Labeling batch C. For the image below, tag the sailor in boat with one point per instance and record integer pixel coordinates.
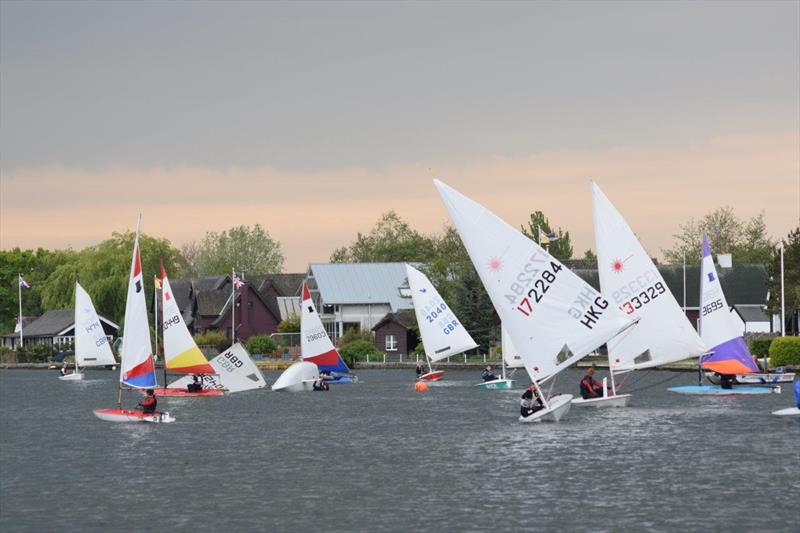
(487, 374)
(196, 385)
(63, 369)
(726, 381)
(589, 387)
(420, 369)
(321, 385)
(148, 405)
(530, 402)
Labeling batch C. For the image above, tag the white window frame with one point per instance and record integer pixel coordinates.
(391, 343)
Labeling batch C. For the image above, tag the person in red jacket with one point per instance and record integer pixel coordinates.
(148, 405)
(589, 387)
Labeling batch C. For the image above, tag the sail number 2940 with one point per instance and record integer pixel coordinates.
(540, 286)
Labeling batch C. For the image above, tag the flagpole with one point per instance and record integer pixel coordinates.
(19, 288)
(233, 307)
(783, 316)
(684, 283)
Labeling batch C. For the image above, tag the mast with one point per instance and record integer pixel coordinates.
(125, 335)
(233, 307)
(19, 288)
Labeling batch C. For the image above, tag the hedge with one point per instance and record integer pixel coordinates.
(784, 351)
(359, 349)
(261, 344)
(760, 347)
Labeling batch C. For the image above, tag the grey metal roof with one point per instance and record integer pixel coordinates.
(361, 283)
(752, 313)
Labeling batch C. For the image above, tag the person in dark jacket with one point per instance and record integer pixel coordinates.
(530, 402)
(148, 405)
(420, 370)
(196, 385)
(487, 374)
(321, 385)
(589, 387)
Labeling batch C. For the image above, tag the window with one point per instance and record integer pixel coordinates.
(391, 343)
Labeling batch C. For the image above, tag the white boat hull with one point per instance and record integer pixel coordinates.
(559, 406)
(130, 415)
(620, 400)
(495, 384)
(299, 377)
(75, 376)
(715, 390)
(789, 411)
(760, 378)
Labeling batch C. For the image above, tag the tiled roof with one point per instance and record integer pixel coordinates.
(406, 318)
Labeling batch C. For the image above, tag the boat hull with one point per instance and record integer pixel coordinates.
(341, 378)
(435, 375)
(620, 400)
(714, 390)
(299, 377)
(789, 411)
(759, 378)
(183, 393)
(495, 384)
(131, 415)
(75, 376)
(559, 407)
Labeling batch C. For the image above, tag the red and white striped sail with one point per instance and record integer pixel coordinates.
(554, 318)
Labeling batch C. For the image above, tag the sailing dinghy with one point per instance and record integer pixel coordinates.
(554, 318)
(181, 354)
(442, 333)
(319, 354)
(791, 411)
(632, 282)
(510, 359)
(91, 343)
(234, 371)
(137, 370)
(729, 352)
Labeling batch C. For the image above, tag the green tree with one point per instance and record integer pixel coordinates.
(589, 255)
(248, 249)
(747, 241)
(291, 324)
(561, 248)
(791, 275)
(391, 239)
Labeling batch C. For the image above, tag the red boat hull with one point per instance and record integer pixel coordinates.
(436, 375)
(183, 393)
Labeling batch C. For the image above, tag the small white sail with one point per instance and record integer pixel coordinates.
(511, 356)
(442, 333)
(234, 371)
(553, 316)
(315, 344)
(632, 282)
(91, 343)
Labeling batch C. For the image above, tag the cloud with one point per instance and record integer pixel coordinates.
(656, 188)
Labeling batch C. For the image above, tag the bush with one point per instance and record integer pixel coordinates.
(290, 325)
(359, 350)
(353, 334)
(418, 350)
(210, 338)
(35, 354)
(261, 344)
(759, 343)
(784, 351)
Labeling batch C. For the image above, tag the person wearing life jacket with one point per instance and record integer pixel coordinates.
(589, 387)
(726, 381)
(487, 374)
(530, 402)
(148, 405)
(321, 385)
(64, 369)
(420, 370)
(196, 385)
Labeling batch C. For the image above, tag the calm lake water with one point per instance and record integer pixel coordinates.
(376, 456)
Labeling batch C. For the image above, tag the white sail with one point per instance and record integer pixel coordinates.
(91, 343)
(511, 356)
(442, 333)
(181, 353)
(315, 344)
(234, 371)
(632, 282)
(553, 316)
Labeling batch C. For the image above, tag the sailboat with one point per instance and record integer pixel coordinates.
(729, 352)
(632, 282)
(510, 359)
(234, 371)
(553, 317)
(319, 354)
(442, 333)
(181, 354)
(91, 343)
(137, 370)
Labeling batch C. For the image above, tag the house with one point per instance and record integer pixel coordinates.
(55, 328)
(754, 318)
(349, 295)
(396, 334)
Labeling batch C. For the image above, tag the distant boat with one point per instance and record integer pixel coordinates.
(554, 318)
(510, 359)
(137, 370)
(442, 333)
(319, 354)
(729, 352)
(91, 343)
(632, 282)
(181, 354)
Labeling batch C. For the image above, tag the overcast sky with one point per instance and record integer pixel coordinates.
(313, 118)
